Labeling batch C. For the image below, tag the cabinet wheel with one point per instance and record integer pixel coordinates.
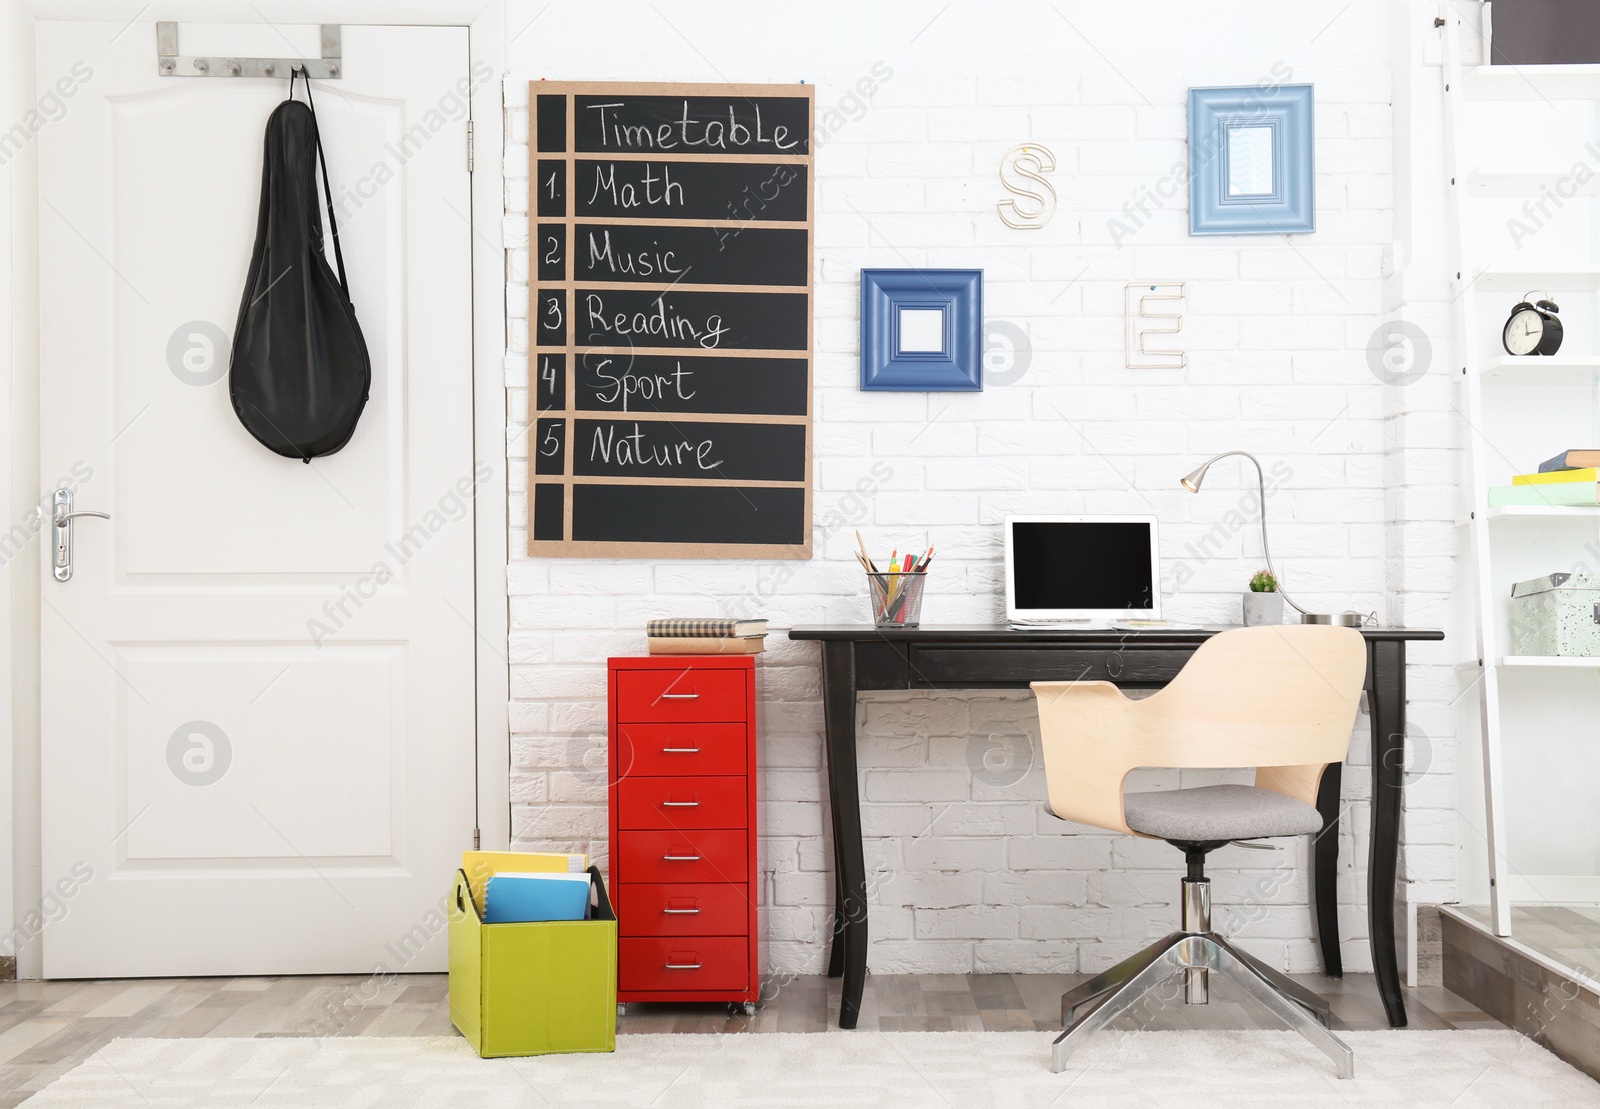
(622, 1008)
(749, 1008)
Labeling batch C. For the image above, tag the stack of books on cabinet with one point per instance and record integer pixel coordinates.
(711, 635)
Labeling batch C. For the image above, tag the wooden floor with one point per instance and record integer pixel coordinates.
(46, 1028)
(1557, 1008)
(1031, 1003)
(1569, 934)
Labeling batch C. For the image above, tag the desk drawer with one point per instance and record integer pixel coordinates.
(682, 803)
(707, 856)
(662, 750)
(1013, 666)
(685, 963)
(705, 909)
(687, 693)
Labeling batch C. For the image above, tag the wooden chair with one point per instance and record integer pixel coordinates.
(1280, 699)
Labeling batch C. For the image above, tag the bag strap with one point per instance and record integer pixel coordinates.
(327, 190)
(602, 909)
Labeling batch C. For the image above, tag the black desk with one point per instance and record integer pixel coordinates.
(988, 656)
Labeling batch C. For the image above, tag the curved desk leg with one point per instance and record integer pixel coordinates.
(1325, 852)
(836, 941)
(1387, 693)
(844, 798)
(835, 937)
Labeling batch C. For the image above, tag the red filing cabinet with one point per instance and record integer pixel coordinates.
(684, 878)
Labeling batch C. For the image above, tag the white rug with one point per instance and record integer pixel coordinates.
(960, 1069)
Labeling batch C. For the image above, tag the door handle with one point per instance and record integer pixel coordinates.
(61, 517)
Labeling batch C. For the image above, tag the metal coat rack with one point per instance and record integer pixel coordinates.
(170, 63)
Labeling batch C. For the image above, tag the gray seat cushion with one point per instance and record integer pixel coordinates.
(1206, 813)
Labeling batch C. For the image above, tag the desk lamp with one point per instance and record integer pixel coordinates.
(1192, 483)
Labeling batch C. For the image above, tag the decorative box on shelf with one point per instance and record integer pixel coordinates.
(1558, 614)
(684, 878)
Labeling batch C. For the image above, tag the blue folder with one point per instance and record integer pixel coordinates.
(520, 898)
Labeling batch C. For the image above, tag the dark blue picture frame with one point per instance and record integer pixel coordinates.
(1290, 205)
(957, 366)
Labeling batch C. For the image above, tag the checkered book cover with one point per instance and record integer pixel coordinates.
(689, 627)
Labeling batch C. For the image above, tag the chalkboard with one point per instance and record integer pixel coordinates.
(747, 192)
(737, 119)
(669, 319)
(683, 383)
(679, 317)
(703, 255)
(690, 448)
(696, 515)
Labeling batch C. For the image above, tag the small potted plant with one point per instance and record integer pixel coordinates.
(1263, 604)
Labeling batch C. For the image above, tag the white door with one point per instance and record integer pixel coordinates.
(257, 686)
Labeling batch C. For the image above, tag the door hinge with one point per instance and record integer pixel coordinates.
(469, 146)
(477, 839)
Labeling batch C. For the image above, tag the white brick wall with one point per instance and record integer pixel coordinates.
(967, 872)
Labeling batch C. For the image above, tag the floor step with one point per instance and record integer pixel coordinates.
(1537, 990)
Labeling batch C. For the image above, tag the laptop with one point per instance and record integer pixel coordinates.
(1081, 571)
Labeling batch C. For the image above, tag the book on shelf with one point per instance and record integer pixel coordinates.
(706, 645)
(1574, 493)
(716, 627)
(1557, 477)
(1570, 460)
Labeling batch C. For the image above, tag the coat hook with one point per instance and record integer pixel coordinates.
(170, 63)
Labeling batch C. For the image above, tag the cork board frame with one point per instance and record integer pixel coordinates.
(778, 500)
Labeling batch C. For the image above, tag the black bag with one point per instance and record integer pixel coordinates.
(300, 373)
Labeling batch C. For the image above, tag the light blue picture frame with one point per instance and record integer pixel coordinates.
(1252, 164)
(922, 330)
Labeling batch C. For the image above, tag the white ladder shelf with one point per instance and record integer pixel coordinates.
(1464, 86)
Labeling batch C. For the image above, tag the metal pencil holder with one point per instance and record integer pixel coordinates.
(896, 598)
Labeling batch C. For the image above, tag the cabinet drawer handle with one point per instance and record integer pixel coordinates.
(680, 912)
(681, 858)
(680, 750)
(680, 804)
(680, 696)
(682, 966)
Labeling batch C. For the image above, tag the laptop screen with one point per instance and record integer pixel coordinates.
(1081, 564)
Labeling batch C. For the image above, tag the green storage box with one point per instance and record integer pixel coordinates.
(537, 988)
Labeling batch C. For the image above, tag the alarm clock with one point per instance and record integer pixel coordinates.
(1532, 329)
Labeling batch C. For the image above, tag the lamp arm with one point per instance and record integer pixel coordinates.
(1266, 550)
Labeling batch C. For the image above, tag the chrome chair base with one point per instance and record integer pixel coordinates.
(1091, 1006)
